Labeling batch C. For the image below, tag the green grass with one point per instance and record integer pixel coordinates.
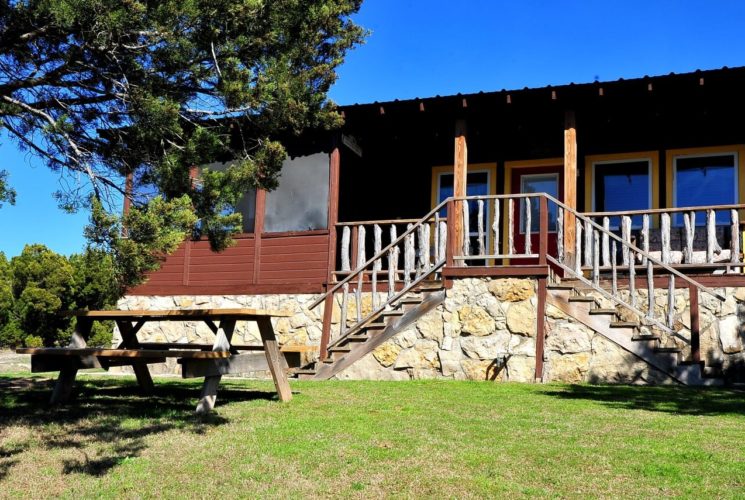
(371, 439)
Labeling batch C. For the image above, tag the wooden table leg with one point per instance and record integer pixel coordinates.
(209, 390)
(129, 341)
(66, 378)
(273, 359)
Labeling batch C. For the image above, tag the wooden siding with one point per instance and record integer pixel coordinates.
(295, 263)
(294, 259)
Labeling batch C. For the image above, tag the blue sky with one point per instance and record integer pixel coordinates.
(422, 48)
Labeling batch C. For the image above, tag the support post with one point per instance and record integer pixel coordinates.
(543, 231)
(66, 378)
(129, 341)
(274, 359)
(450, 244)
(460, 180)
(570, 186)
(695, 326)
(540, 329)
(223, 336)
(258, 230)
(333, 218)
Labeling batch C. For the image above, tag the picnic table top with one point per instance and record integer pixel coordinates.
(181, 314)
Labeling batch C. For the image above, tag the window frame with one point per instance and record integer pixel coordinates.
(491, 179)
(735, 169)
(520, 221)
(626, 159)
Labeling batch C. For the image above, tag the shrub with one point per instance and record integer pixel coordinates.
(34, 341)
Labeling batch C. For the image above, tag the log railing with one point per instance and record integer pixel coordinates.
(504, 229)
(423, 244)
(706, 236)
(419, 248)
(604, 245)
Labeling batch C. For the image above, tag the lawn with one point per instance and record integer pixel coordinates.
(371, 439)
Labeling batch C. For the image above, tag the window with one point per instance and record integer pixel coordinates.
(480, 181)
(300, 203)
(707, 179)
(246, 206)
(539, 183)
(620, 185)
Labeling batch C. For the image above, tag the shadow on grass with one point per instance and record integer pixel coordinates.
(106, 422)
(668, 399)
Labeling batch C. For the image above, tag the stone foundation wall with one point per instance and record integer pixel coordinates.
(484, 330)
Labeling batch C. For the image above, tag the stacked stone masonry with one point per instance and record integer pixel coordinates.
(484, 330)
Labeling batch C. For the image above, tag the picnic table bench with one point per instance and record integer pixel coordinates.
(196, 360)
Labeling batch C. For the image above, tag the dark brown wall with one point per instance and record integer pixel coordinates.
(296, 263)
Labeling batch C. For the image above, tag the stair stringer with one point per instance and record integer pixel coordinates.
(327, 370)
(683, 374)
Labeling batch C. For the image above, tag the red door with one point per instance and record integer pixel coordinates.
(549, 179)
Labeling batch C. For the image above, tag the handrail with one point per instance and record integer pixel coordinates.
(382, 253)
(602, 230)
(613, 297)
(656, 211)
(381, 221)
(636, 249)
(436, 267)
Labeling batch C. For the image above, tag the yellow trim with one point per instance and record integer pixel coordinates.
(652, 156)
(472, 167)
(508, 167)
(671, 154)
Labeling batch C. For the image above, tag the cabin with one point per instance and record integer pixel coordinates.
(581, 232)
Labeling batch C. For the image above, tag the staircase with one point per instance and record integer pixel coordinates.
(597, 301)
(587, 293)
(645, 342)
(362, 339)
(411, 292)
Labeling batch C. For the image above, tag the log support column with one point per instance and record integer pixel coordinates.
(570, 186)
(333, 218)
(460, 181)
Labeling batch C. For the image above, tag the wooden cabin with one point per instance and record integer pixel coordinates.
(605, 213)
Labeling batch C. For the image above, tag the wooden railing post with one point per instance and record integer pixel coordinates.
(543, 231)
(452, 242)
(570, 186)
(695, 328)
(355, 247)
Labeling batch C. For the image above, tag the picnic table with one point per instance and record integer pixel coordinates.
(196, 360)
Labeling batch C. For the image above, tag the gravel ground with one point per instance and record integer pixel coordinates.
(12, 362)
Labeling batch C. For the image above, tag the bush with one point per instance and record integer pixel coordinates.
(38, 285)
(34, 341)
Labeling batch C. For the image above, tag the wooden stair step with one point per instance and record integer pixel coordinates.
(393, 312)
(359, 337)
(623, 324)
(305, 371)
(430, 286)
(375, 326)
(599, 310)
(581, 298)
(560, 286)
(642, 338)
(410, 300)
(668, 349)
(340, 348)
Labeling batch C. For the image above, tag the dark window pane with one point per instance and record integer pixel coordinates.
(300, 202)
(705, 180)
(539, 183)
(621, 186)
